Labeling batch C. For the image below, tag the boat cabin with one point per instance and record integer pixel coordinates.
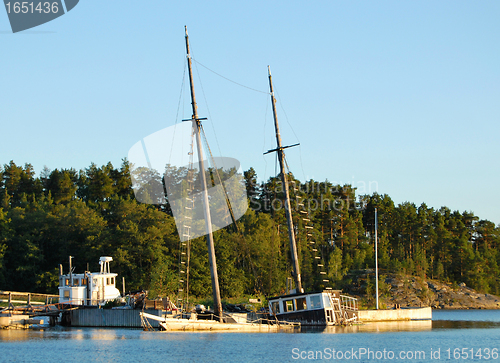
(328, 307)
(89, 288)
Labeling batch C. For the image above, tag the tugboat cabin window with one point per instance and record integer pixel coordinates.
(315, 302)
(66, 282)
(288, 305)
(300, 303)
(84, 282)
(75, 282)
(66, 294)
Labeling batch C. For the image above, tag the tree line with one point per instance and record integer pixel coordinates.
(93, 212)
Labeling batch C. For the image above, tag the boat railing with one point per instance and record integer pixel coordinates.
(348, 303)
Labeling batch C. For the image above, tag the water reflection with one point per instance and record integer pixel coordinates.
(413, 325)
(100, 334)
(443, 320)
(464, 324)
(13, 334)
(373, 327)
(62, 333)
(467, 315)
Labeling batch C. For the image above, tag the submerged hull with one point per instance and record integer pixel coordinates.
(174, 324)
(316, 318)
(308, 317)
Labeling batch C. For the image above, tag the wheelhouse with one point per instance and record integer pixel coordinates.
(89, 288)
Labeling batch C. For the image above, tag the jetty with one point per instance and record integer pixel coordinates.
(24, 309)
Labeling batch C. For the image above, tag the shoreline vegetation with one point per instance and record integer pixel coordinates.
(428, 257)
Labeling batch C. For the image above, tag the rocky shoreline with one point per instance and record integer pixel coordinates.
(438, 295)
(411, 291)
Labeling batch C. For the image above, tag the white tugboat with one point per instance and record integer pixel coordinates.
(89, 288)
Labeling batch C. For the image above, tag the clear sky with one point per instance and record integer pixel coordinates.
(401, 96)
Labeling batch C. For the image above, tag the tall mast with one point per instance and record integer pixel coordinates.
(284, 180)
(206, 209)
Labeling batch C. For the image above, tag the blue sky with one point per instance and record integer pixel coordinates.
(399, 95)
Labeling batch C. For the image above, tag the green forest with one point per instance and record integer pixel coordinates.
(93, 212)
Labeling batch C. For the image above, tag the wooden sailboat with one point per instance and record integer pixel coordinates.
(327, 307)
(218, 320)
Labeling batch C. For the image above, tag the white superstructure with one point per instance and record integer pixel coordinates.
(89, 288)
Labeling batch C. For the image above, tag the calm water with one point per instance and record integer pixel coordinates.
(451, 336)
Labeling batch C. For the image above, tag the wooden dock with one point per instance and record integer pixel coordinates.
(26, 299)
(24, 308)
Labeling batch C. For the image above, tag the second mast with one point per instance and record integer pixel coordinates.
(284, 180)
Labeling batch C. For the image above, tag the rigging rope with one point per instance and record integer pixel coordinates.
(208, 109)
(237, 229)
(264, 144)
(185, 247)
(293, 131)
(227, 79)
(228, 202)
(177, 114)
